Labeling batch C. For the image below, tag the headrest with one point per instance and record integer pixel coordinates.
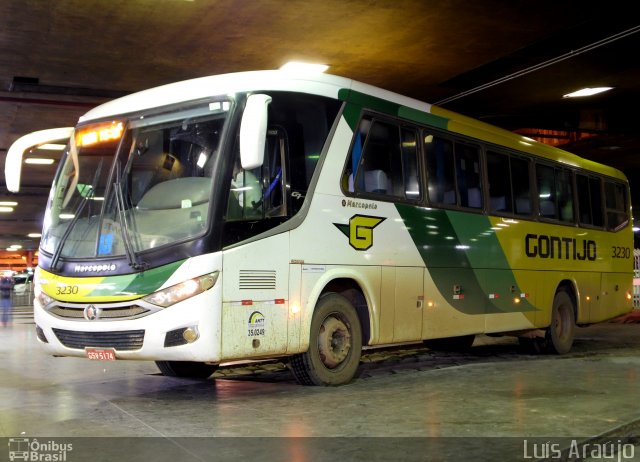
(176, 194)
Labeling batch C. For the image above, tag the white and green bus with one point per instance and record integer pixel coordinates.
(268, 215)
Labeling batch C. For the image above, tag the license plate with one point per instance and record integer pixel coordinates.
(101, 354)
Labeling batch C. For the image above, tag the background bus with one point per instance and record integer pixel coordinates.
(263, 214)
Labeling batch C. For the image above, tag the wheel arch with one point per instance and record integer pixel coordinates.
(352, 291)
(353, 287)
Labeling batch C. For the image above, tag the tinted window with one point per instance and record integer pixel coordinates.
(454, 172)
(385, 161)
(589, 200)
(555, 193)
(509, 188)
(616, 203)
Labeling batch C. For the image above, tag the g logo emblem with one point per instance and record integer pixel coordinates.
(360, 230)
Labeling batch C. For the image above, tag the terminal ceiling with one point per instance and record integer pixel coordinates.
(505, 62)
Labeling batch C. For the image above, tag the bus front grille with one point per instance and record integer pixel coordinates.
(106, 313)
(119, 340)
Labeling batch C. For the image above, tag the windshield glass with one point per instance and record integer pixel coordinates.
(130, 185)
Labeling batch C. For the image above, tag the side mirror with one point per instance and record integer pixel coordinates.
(13, 163)
(253, 131)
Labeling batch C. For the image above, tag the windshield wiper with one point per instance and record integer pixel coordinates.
(65, 235)
(76, 216)
(124, 229)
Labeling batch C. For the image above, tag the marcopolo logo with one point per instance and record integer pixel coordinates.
(360, 230)
(38, 451)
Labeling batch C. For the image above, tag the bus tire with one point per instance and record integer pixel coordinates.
(186, 369)
(559, 335)
(335, 344)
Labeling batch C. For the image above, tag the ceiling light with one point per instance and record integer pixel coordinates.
(8, 203)
(15, 246)
(52, 147)
(296, 66)
(38, 161)
(586, 92)
(6, 209)
(34, 235)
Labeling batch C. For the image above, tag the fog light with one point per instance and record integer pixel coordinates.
(190, 334)
(181, 336)
(40, 334)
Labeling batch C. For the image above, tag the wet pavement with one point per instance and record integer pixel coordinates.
(491, 401)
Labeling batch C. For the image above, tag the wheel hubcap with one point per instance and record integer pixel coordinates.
(334, 342)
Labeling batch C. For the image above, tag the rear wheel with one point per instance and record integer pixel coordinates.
(559, 336)
(186, 369)
(335, 344)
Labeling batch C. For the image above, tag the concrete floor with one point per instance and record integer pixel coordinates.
(490, 402)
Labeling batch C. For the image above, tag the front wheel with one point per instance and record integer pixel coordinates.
(335, 344)
(186, 369)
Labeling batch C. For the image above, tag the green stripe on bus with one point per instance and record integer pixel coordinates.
(143, 283)
(464, 258)
(357, 101)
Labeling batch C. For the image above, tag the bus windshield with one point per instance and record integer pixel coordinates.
(130, 185)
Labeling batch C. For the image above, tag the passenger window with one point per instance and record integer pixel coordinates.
(564, 190)
(589, 200)
(555, 193)
(440, 170)
(546, 191)
(454, 172)
(385, 161)
(617, 205)
(500, 198)
(521, 183)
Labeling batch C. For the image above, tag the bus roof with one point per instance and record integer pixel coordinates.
(333, 87)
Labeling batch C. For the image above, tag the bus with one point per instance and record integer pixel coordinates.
(264, 214)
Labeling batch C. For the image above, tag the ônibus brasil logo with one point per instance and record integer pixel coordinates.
(360, 230)
(33, 450)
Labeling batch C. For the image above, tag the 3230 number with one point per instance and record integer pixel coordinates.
(67, 290)
(620, 252)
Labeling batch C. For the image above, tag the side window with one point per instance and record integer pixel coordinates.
(385, 161)
(564, 190)
(521, 183)
(509, 185)
(440, 170)
(500, 197)
(555, 193)
(454, 172)
(616, 204)
(299, 125)
(545, 180)
(260, 193)
(589, 195)
(468, 175)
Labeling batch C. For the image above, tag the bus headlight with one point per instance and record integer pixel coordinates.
(179, 292)
(39, 294)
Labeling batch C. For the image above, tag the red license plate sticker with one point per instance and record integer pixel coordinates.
(101, 354)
